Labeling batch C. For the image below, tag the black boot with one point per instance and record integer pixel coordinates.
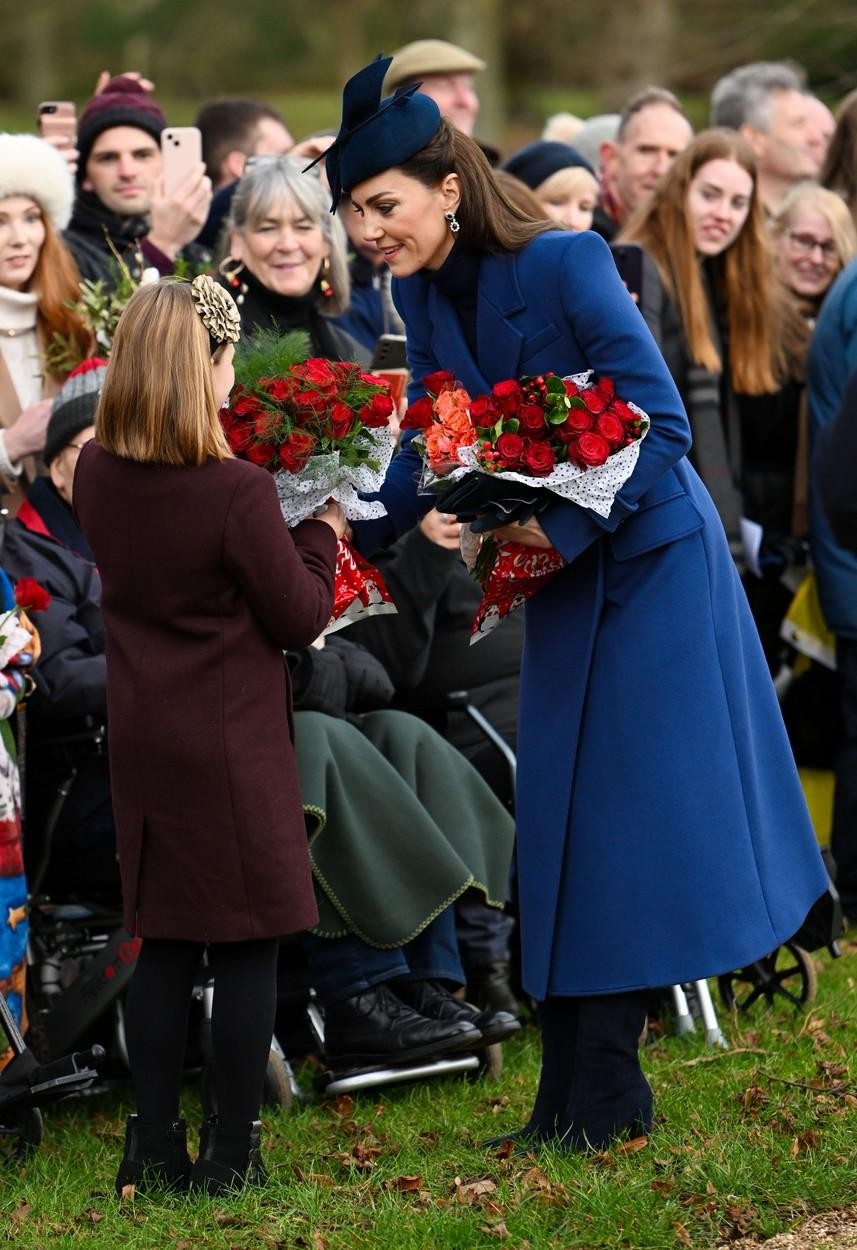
(229, 1157)
(432, 999)
(490, 986)
(155, 1157)
(376, 1027)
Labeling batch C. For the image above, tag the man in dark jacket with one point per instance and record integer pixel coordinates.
(121, 204)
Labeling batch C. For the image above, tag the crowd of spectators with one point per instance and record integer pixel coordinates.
(748, 283)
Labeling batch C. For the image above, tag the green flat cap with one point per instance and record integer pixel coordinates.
(429, 56)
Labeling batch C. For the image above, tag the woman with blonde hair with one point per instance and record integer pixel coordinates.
(711, 301)
(204, 587)
(812, 239)
(38, 282)
(562, 181)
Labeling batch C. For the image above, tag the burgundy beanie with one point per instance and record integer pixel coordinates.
(123, 102)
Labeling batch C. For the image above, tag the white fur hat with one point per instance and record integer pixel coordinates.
(30, 166)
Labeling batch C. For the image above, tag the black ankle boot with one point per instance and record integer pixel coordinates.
(229, 1157)
(155, 1157)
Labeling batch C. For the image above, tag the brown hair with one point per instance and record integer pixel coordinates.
(57, 282)
(743, 273)
(165, 413)
(839, 171)
(519, 194)
(490, 221)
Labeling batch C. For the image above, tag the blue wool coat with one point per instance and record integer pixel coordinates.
(662, 831)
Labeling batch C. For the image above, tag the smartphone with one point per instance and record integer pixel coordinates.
(57, 119)
(181, 152)
(390, 353)
(628, 258)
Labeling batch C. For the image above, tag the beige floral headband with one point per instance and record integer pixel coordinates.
(217, 309)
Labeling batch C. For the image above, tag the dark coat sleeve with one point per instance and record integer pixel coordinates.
(72, 672)
(835, 469)
(286, 575)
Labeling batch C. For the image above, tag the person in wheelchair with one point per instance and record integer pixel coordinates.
(68, 707)
(457, 828)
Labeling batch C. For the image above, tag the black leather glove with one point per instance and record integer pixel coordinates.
(488, 501)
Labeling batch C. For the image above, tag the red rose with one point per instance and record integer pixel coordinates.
(592, 449)
(611, 428)
(577, 422)
(510, 447)
(436, 382)
(237, 433)
(262, 425)
(625, 414)
(419, 415)
(341, 420)
(605, 388)
(483, 412)
(245, 405)
(508, 396)
(296, 450)
(532, 419)
(571, 389)
(311, 401)
(372, 379)
(280, 389)
(377, 413)
(261, 453)
(594, 402)
(539, 458)
(320, 374)
(30, 595)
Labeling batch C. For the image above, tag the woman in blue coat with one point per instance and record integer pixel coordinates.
(662, 831)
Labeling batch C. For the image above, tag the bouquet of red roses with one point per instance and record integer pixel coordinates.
(501, 456)
(322, 429)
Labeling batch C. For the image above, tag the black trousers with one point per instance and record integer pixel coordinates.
(843, 840)
(242, 1024)
(591, 1087)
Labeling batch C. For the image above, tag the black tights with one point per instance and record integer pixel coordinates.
(591, 1086)
(242, 1024)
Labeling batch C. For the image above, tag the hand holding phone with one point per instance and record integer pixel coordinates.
(180, 207)
(56, 122)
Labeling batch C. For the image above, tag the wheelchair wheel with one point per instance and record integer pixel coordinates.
(276, 1091)
(21, 1132)
(786, 976)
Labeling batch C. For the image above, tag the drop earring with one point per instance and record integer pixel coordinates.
(454, 223)
(325, 284)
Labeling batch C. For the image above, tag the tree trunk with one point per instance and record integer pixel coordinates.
(478, 26)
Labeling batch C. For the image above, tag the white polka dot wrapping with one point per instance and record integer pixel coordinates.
(595, 487)
(325, 477)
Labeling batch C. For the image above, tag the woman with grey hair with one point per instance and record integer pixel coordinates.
(287, 265)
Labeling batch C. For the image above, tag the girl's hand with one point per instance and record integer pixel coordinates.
(333, 516)
(530, 534)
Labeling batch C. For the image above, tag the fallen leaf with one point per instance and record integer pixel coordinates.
(343, 1106)
(663, 1187)
(682, 1233)
(21, 1212)
(473, 1191)
(495, 1230)
(93, 1216)
(406, 1184)
(505, 1149)
(128, 1192)
(631, 1147)
(805, 1141)
(318, 1242)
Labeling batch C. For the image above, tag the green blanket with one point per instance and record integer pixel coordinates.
(400, 824)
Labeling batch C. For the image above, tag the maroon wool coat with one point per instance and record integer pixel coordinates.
(203, 589)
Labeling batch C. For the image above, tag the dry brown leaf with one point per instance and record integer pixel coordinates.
(506, 1148)
(21, 1212)
(93, 1216)
(473, 1191)
(225, 1219)
(631, 1147)
(343, 1105)
(805, 1141)
(663, 1187)
(496, 1230)
(318, 1242)
(407, 1184)
(128, 1192)
(682, 1233)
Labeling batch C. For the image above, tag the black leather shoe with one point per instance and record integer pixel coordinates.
(490, 986)
(155, 1157)
(432, 999)
(376, 1027)
(229, 1157)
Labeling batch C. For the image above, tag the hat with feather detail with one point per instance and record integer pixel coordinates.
(377, 134)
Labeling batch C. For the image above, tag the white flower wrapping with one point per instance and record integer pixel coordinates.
(594, 487)
(13, 639)
(324, 477)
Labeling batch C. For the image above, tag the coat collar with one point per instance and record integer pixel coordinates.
(499, 342)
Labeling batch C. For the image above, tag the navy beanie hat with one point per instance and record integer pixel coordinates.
(535, 163)
(377, 134)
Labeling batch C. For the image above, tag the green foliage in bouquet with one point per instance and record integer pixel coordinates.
(99, 307)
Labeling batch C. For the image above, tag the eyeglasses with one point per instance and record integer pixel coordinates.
(805, 245)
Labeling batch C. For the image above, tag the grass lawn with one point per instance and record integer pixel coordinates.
(747, 1142)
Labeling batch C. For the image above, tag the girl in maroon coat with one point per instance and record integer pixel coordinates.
(204, 587)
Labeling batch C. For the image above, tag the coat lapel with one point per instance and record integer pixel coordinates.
(449, 346)
(499, 340)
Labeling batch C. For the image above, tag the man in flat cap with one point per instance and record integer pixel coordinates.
(446, 73)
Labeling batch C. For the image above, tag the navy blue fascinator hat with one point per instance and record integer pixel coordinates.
(377, 134)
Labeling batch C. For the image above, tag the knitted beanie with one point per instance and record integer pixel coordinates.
(74, 405)
(29, 166)
(123, 102)
(538, 161)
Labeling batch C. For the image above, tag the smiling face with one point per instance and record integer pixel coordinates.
(719, 199)
(22, 233)
(568, 197)
(404, 220)
(807, 259)
(284, 249)
(123, 170)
